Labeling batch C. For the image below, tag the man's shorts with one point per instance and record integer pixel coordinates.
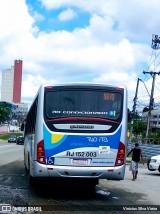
(133, 166)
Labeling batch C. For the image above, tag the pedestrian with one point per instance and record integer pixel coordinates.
(136, 156)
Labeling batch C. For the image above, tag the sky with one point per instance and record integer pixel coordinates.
(98, 41)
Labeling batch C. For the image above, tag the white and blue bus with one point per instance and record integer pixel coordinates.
(77, 131)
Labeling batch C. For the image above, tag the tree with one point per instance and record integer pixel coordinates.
(4, 113)
(139, 127)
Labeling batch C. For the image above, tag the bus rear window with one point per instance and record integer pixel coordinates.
(83, 103)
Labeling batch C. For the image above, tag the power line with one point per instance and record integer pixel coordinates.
(155, 45)
(151, 103)
(151, 62)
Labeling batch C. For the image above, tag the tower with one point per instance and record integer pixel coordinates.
(17, 81)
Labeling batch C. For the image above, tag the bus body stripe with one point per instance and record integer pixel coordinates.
(69, 141)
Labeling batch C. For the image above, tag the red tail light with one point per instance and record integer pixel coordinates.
(120, 155)
(40, 153)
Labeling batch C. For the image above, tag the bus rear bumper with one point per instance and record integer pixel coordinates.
(110, 173)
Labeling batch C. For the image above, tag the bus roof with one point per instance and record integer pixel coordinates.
(83, 84)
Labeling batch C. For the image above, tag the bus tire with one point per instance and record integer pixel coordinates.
(25, 167)
(94, 182)
(30, 177)
(91, 183)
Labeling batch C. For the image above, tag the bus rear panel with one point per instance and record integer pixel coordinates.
(84, 132)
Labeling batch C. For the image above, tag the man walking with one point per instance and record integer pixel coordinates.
(136, 156)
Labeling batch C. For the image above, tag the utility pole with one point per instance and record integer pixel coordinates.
(155, 45)
(134, 109)
(151, 103)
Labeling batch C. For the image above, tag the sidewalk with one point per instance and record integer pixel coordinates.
(2, 141)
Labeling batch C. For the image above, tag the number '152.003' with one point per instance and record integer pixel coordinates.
(81, 154)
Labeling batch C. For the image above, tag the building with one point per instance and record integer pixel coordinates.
(7, 85)
(19, 113)
(11, 94)
(12, 83)
(154, 119)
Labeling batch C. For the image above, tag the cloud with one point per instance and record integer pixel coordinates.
(31, 85)
(38, 17)
(67, 15)
(93, 6)
(137, 19)
(15, 20)
(16, 26)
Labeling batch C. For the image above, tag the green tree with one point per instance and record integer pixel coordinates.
(139, 127)
(4, 113)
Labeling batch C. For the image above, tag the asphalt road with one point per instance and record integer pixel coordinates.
(10, 152)
(69, 197)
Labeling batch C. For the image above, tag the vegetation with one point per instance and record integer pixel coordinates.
(7, 135)
(139, 128)
(4, 113)
(155, 134)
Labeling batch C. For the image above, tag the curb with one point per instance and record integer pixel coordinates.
(2, 141)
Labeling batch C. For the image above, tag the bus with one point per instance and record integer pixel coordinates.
(77, 131)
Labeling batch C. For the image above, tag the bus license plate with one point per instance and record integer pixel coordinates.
(80, 161)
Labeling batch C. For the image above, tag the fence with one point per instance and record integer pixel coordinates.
(148, 150)
(146, 140)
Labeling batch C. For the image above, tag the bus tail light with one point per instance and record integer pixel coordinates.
(40, 153)
(120, 155)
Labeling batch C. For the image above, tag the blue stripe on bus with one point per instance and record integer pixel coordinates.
(63, 143)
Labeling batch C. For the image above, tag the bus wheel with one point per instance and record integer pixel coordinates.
(94, 182)
(25, 167)
(30, 178)
(91, 184)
